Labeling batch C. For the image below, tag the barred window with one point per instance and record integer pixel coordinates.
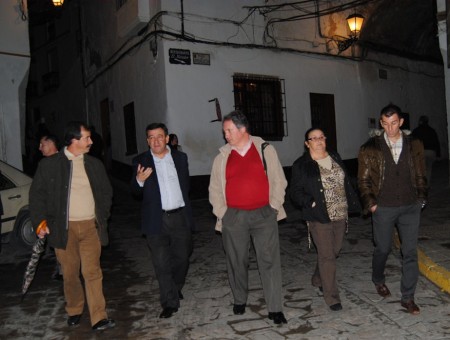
(261, 99)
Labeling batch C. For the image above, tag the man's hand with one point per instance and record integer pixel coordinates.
(44, 231)
(373, 208)
(143, 173)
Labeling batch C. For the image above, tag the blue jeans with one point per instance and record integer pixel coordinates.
(407, 219)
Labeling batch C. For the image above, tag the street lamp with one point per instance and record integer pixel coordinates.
(57, 3)
(354, 22)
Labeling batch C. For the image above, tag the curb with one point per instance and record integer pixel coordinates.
(433, 272)
(430, 269)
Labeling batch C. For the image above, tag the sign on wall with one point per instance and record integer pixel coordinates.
(179, 56)
(201, 58)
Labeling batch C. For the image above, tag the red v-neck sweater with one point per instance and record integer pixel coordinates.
(247, 186)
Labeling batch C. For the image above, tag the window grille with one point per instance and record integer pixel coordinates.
(261, 99)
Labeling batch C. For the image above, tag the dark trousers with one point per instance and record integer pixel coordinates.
(261, 226)
(328, 239)
(170, 256)
(407, 219)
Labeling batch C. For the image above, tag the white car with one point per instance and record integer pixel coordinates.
(14, 189)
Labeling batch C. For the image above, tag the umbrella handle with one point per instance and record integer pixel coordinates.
(41, 226)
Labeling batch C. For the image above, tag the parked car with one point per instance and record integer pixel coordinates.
(14, 189)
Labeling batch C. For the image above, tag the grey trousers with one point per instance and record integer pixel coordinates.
(261, 226)
(407, 219)
(328, 239)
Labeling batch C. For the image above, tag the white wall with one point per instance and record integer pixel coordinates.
(14, 64)
(178, 95)
(358, 93)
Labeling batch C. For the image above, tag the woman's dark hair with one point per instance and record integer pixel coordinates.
(309, 131)
(73, 130)
(52, 138)
(172, 136)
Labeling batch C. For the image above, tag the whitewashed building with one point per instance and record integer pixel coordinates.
(14, 65)
(284, 65)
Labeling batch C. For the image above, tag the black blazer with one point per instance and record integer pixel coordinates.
(150, 193)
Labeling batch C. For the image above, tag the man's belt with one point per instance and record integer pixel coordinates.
(173, 211)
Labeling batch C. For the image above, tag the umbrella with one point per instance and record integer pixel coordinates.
(38, 249)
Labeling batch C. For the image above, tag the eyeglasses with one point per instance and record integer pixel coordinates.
(316, 139)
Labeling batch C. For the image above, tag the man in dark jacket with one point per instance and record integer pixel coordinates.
(430, 141)
(391, 179)
(71, 191)
(161, 177)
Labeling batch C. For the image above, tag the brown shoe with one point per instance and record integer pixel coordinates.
(383, 290)
(411, 306)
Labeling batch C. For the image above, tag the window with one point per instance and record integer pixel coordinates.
(120, 3)
(130, 129)
(51, 31)
(261, 99)
(5, 183)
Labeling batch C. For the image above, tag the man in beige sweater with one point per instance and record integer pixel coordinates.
(72, 192)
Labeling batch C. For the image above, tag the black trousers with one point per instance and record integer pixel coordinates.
(170, 256)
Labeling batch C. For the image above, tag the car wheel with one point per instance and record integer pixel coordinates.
(24, 233)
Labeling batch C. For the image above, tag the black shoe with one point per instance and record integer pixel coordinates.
(180, 295)
(277, 317)
(336, 307)
(74, 320)
(321, 289)
(239, 309)
(104, 324)
(167, 312)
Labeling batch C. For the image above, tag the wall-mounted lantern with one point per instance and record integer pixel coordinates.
(57, 3)
(354, 22)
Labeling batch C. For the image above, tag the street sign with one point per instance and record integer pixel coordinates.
(178, 56)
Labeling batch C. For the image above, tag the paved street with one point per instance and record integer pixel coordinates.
(206, 312)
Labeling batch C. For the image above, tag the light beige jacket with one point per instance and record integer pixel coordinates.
(275, 173)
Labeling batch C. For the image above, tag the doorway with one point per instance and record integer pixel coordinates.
(323, 116)
(106, 132)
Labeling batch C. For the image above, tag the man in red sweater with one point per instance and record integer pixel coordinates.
(246, 190)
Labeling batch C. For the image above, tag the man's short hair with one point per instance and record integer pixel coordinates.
(239, 119)
(154, 126)
(390, 110)
(73, 131)
(52, 138)
(423, 120)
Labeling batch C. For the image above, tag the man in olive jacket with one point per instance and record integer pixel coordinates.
(72, 192)
(391, 179)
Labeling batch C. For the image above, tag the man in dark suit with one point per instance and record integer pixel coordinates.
(161, 177)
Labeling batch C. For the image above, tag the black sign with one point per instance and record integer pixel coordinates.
(177, 56)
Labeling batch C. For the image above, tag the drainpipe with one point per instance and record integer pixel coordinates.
(182, 19)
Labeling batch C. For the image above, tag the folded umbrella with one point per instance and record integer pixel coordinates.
(38, 249)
